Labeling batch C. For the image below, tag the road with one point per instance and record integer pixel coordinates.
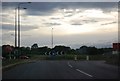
(63, 70)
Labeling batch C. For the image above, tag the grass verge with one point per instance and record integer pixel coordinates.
(9, 63)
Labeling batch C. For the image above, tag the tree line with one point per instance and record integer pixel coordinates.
(57, 50)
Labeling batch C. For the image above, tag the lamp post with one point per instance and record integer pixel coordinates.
(16, 52)
(16, 27)
(19, 21)
(52, 52)
(52, 38)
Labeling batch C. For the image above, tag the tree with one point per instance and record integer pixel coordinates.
(92, 50)
(43, 50)
(7, 51)
(34, 46)
(83, 47)
(62, 49)
(83, 50)
(87, 50)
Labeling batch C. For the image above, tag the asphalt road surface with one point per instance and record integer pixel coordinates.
(63, 70)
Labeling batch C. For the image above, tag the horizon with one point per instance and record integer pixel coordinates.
(58, 45)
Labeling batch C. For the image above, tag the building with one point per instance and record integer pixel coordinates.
(116, 48)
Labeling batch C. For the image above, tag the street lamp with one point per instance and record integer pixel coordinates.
(52, 38)
(19, 21)
(52, 52)
(16, 27)
(16, 52)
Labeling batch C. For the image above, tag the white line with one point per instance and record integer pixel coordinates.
(84, 73)
(70, 65)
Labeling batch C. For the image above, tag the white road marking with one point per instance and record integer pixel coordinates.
(70, 65)
(80, 70)
(84, 73)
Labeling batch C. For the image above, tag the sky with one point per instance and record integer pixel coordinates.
(74, 23)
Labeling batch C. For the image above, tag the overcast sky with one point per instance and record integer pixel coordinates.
(74, 23)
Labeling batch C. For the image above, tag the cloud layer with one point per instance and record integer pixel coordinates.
(72, 22)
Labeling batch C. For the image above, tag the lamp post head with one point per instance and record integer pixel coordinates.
(24, 8)
(29, 2)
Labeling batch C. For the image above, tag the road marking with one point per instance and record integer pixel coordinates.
(84, 73)
(70, 65)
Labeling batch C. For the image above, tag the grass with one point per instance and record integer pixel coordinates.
(67, 57)
(9, 63)
(112, 59)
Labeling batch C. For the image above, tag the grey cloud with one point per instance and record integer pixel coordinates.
(10, 27)
(109, 23)
(51, 24)
(28, 27)
(47, 8)
(55, 18)
(5, 18)
(88, 21)
(68, 15)
(81, 22)
(7, 27)
(76, 24)
(68, 11)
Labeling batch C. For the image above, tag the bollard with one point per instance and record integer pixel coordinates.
(87, 57)
(75, 57)
(14, 57)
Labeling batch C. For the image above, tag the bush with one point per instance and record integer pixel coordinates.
(112, 59)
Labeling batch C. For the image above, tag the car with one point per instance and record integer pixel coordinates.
(24, 57)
